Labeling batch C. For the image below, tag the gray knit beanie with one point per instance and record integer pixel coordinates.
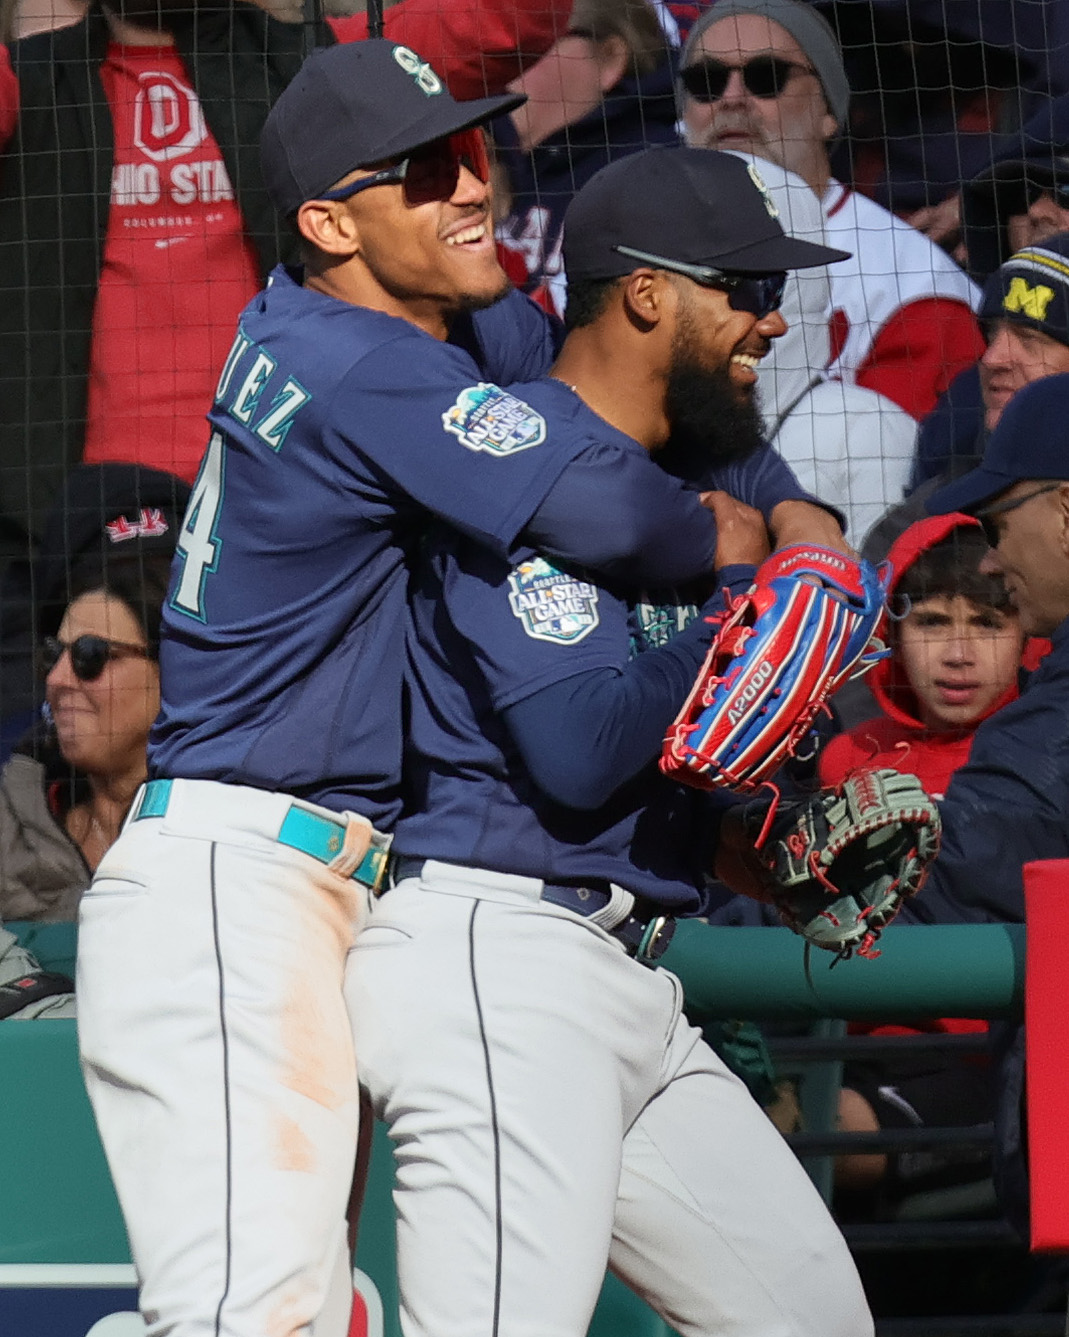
(809, 29)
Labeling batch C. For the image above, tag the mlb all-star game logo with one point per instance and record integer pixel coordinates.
(551, 605)
(486, 417)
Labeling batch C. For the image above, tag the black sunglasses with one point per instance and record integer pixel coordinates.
(763, 76)
(89, 654)
(988, 514)
(429, 173)
(757, 294)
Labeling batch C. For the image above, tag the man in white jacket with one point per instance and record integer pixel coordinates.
(849, 445)
(766, 77)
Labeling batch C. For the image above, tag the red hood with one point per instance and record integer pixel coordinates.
(893, 694)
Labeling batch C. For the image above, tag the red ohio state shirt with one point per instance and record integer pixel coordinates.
(178, 268)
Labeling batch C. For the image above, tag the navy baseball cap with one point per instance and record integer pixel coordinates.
(355, 104)
(696, 206)
(1031, 440)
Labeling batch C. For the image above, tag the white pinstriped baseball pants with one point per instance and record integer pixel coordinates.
(552, 1112)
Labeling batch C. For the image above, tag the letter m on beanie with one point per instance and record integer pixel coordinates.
(1032, 302)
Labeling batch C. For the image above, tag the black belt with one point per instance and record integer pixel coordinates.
(645, 933)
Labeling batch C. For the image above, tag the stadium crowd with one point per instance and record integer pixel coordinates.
(928, 142)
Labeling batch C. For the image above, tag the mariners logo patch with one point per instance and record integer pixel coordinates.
(656, 620)
(426, 79)
(766, 194)
(552, 605)
(486, 417)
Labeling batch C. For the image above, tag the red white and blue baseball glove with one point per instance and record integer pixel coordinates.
(782, 648)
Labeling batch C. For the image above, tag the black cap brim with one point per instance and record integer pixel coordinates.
(777, 254)
(1018, 170)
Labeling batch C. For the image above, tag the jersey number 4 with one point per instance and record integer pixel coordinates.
(198, 543)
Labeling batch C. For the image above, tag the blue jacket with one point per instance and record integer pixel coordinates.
(952, 435)
(1007, 806)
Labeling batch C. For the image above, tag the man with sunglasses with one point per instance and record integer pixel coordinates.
(552, 1113)
(766, 77)
(360, 396)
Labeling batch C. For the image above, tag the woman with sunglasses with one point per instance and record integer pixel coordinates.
(66, 789)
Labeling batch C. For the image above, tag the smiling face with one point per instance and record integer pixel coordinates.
(1015, 356)
(423, 259)
(102, 726)
(791, 129)
(711, 390)
(1032, 555)
(959, 657)
(721, 338)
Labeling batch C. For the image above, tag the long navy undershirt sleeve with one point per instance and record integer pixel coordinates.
(582, 738)
(616, 512)
(762, 480)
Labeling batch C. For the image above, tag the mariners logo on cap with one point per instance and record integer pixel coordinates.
(424, 76)
(486, 417)
(766, 194)
(551, 604)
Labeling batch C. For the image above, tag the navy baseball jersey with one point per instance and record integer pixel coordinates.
(489, 632)
(335, 430)
(508, 631)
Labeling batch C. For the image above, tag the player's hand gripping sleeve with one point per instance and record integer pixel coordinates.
(782, 649)
(839, 864)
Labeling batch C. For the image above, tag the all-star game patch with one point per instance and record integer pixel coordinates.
(485, 417)
(552, 605)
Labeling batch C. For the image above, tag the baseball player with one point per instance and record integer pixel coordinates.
(360, 394)
(551, 1111)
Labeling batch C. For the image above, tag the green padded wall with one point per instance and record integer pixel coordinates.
(60, 1207)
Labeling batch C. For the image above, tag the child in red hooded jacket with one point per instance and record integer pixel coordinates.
(955, 654)
(956, 649)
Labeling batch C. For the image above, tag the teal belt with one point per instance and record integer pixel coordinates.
(321, 837)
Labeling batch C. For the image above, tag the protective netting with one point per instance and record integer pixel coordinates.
(926, 137)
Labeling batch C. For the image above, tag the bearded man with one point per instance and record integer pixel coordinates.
(551, 1110)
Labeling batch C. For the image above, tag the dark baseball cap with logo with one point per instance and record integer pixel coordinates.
(1030, 441)
(692, 206)
(356, 104)
(107, 513)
